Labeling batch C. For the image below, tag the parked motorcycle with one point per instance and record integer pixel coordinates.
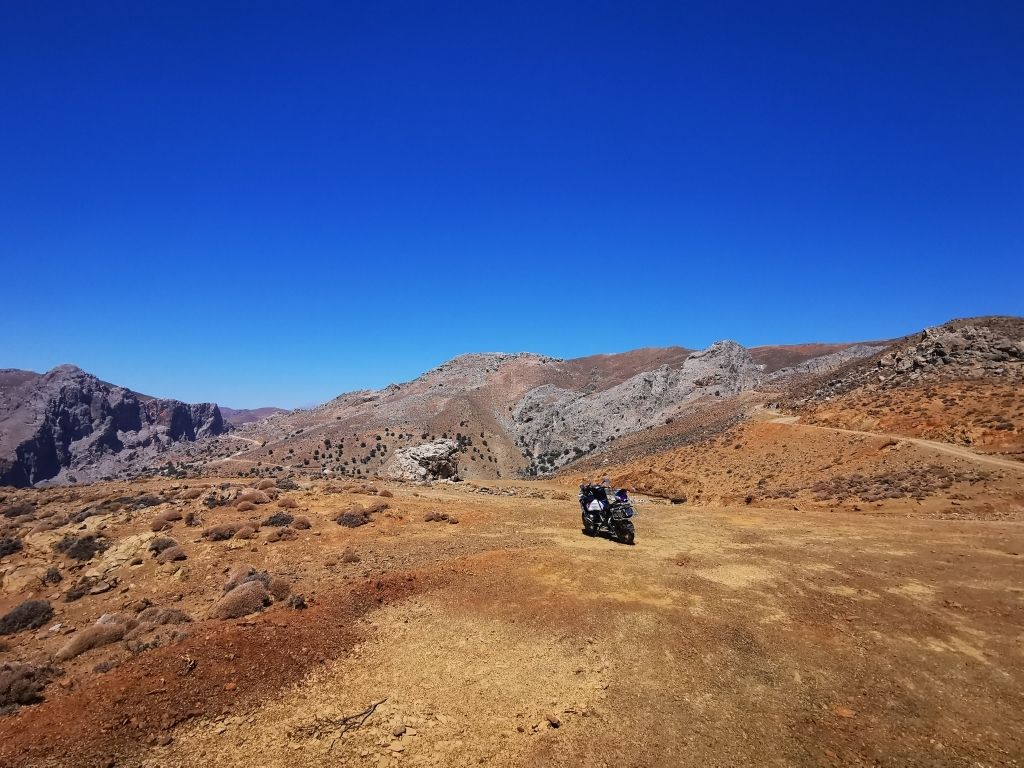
(601, 512)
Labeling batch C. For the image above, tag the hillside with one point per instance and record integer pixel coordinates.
(236, 417)
(509, 415)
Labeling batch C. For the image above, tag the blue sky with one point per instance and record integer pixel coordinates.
(259, 203)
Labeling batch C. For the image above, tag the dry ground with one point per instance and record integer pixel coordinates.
(727, 635)
(983, 414)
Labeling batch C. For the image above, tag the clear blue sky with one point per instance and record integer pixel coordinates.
(262, 203)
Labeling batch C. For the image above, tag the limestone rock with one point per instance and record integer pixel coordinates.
(437, 460)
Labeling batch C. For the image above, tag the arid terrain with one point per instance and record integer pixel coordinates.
(828, 570)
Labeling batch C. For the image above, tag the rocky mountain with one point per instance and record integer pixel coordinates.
(236, 417)
(67, 425)
(516, 414)
(478, 416)
(989, 348)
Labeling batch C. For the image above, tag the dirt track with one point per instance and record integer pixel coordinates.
(933, 445)
(723, 637)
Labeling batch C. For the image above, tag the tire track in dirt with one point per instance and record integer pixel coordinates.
(934, 445)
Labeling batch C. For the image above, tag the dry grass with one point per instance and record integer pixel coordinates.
(110, 628)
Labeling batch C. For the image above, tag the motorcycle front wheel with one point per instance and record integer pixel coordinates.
(626, 532)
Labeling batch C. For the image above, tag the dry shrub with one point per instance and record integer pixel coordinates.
(349, 556)
(156, 546)
(241, 573)
(353, 517)
(224, 530)
(245, 506)
(256, 497)
(301, 523)
(47, 525)
(436, 517)
(30, 614)
(376, 506)
(172, 554)
(22, 509)
(279, 519)
(22, 684)
(282, 534)
(386, 493)
(265, 484)
(279, 588)
(80, 589)
(191, 493)
(9, 545)
(81, 547)
(250, 597)
(165, 520)
(287, 503)
(245, 532)
(110, 628)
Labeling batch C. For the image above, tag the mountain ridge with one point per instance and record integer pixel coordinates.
(506, 414)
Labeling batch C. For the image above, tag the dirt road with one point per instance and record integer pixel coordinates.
(948, 448)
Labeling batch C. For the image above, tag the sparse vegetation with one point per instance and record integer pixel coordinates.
(279, 519)
(81, 547)
(9, 545)
(156, 546)
(248, 597)
(22, 684)
(30, 614)
(108, 629)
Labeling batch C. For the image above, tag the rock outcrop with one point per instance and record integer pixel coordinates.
(558, 425)
(437, 460)
(976, 346)
(67, 420)
(991, 348)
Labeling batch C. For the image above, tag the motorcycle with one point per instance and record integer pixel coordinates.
(610, 514)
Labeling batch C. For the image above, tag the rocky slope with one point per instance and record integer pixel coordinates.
(517, 414)
(67, 425)
(236, 417)
(962, 383)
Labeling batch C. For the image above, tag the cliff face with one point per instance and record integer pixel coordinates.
(67, 420)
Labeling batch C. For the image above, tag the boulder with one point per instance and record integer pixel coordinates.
(437, 460)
